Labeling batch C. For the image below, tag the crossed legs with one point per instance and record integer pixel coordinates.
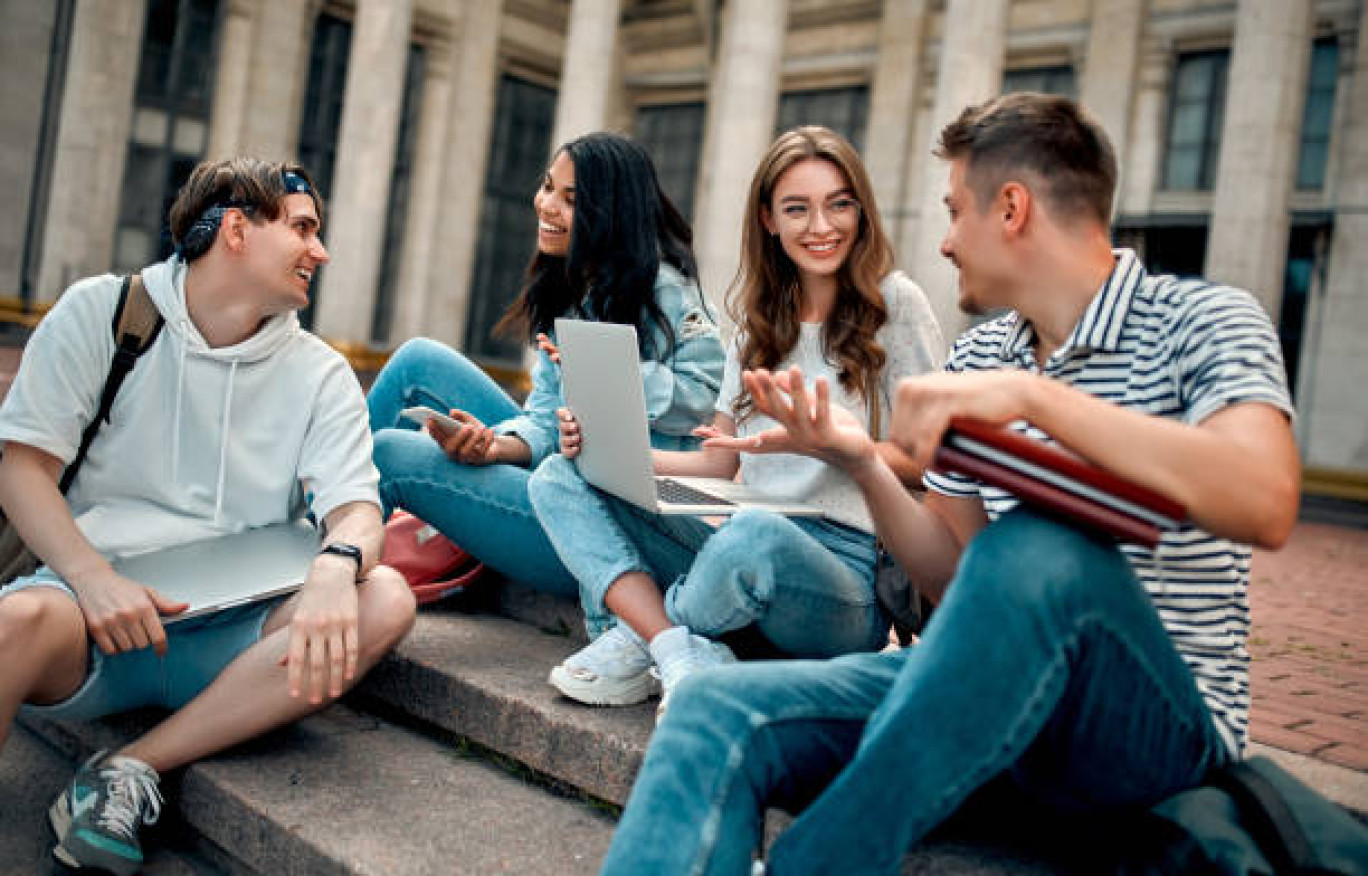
(43, 643)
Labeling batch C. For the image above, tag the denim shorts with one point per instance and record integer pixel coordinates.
(197, 650)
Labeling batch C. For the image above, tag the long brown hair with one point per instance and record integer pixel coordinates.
(764, 300)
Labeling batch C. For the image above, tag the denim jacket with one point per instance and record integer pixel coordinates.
(681, 389)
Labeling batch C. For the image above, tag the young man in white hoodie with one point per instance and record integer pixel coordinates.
(235, 417)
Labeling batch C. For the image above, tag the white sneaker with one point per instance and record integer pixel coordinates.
(612, 670)
(678, 653)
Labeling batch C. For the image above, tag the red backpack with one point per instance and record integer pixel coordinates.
(434, 567)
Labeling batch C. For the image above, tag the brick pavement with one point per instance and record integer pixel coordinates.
(1309, 645)
(1309, 642)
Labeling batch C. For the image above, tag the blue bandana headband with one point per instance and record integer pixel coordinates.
(295, 184)
(200, 236)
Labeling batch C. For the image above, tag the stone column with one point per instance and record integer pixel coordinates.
(970, 72)
(91, 143)
(587, 74)
(26, 43)
(907, 208)
(1145, 147)
(467, 149)
(1260, 139)
(1334, 407)
(892, 104)
(411, 286)
(743, 99)
(1111, 68)
(366, 139)
(231, 79)
(277, 78)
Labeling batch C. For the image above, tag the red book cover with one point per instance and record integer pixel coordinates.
(1057, 481)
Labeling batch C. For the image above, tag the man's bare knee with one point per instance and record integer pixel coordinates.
(387, 611)
(42, 637)
(39, 615)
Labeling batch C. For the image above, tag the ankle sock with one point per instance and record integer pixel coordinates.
(668, 643)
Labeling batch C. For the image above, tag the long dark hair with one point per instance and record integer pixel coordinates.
(624, 226)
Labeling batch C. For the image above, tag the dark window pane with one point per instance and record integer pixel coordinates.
(1305, 258)
(843, 110)
(323, 98)
(674, 137)
(1318, 116)
(520, 144)
(1047, 80)
(1196, 113)
(171, 115)
(1184, 168)
(322, 117)
(1311, 165)
(1178, 250)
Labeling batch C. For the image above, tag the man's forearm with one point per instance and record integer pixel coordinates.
(33, 503)
(922, 543)
(1237, 473)
(357, 523)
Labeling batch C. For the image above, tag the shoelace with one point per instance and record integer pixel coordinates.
(132, 793)
(606, 649)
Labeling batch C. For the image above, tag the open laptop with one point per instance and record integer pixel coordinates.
(230, 570)
(601, 378)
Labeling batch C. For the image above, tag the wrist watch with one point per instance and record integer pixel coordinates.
(342, 549)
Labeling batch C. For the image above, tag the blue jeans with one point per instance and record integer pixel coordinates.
(1046, 661)
(808, 585)
(484, 509)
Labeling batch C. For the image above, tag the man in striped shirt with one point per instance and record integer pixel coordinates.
(1093, 676)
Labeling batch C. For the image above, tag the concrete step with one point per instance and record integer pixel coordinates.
(32, 774)
(483, 677)
(347, 793)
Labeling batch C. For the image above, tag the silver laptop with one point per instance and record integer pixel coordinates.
(230, 570)
(601, 378)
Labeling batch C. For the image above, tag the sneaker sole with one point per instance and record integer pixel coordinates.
(59, 817)
(628, 692)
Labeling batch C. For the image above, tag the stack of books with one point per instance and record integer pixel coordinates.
(1058, 482)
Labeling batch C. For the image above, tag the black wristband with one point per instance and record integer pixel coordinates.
(342, 549)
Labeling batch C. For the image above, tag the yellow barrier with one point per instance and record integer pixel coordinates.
(14, 312)
(363, 357)
(1335, 483)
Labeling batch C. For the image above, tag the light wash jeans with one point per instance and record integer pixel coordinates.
(482, 508)
(808, 585)
(1046, 660)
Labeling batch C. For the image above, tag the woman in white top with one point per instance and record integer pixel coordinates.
(815, 289)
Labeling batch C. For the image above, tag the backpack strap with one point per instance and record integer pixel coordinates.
(135, 326)
(1268, 817)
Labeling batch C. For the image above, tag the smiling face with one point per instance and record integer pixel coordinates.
(974, 244)
(283, 254)
(816, 217)
(555, 206)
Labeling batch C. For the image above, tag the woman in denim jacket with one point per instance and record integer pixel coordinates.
(610, 246)
(816, 290)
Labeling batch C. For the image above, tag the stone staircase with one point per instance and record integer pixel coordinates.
(454, 756)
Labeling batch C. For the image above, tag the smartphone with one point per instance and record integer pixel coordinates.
(421, 415)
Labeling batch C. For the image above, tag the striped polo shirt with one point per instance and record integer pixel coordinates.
(1181, 349)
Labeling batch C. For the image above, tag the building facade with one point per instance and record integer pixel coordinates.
(1241, 125)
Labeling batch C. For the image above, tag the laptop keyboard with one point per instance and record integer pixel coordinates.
(674, 493)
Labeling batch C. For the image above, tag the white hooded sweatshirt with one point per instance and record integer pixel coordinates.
(202, 441)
